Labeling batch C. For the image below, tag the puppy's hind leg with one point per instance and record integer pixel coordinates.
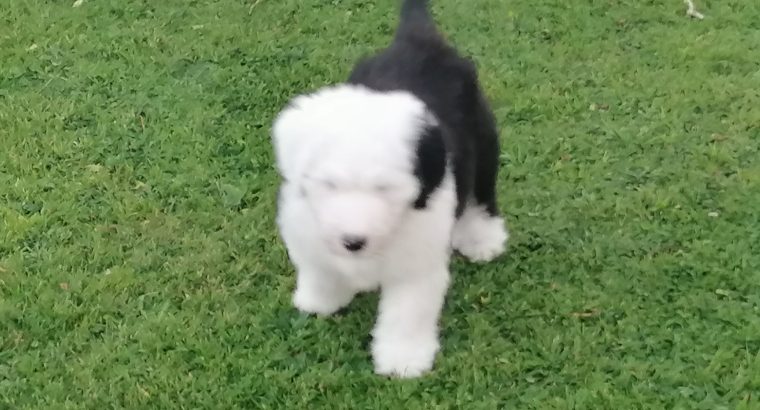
(480, 233)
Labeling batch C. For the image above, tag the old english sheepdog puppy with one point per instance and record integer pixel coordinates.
(382, 177)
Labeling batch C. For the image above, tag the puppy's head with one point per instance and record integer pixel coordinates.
(362, 160)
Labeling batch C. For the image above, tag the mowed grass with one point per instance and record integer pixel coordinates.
(140, 266)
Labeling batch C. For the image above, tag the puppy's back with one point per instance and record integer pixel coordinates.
(420, 61)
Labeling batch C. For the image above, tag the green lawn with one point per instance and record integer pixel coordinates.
(140, 266)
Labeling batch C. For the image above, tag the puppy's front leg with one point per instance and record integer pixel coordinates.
(321, 292)
(406, 334)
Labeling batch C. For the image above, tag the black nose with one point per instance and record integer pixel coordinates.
(354, 243)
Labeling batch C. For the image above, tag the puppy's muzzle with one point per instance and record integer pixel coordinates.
(354, 243)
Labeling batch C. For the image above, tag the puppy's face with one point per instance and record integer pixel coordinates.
(358, 200)
(353, 156)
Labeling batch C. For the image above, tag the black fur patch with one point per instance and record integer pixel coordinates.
(421, 62)
(430, 164)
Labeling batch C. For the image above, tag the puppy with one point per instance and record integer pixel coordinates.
(382, 176)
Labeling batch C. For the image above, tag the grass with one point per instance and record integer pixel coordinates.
(140, 266)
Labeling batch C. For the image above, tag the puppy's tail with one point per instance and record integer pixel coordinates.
(412, 8)
(416, 20)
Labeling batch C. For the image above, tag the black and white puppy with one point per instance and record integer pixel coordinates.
(382, 176)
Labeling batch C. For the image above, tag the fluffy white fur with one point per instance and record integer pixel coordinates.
(346, 155)
(479, 236)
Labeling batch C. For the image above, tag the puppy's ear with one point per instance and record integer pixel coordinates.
(430, 163)
(291, 140)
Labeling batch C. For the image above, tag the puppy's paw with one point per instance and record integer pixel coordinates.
(479, 236)
(404, 358)
(318, 301)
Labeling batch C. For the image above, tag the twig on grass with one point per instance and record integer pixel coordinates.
(585, 314)
(255, 3)
(691, 10)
